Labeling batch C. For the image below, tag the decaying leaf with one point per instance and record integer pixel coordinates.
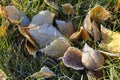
(45, 72)
(42, 17)
(11, 13)
(118, 4)
(52, 3)
(56, 48)
(111, 40)
(30, 49)
(2, 75)
(72, 58)
(66, 29)
(99, 13)
(68, 8)
(96, 31)
(96, 74)
(91, 58)
(3, 28)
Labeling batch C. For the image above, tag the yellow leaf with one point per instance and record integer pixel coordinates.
(2, 75)
(118, 3)
(111, 40)
(68, 8)
(99, 13)
(3, 28)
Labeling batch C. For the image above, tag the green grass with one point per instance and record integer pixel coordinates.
(18, 67)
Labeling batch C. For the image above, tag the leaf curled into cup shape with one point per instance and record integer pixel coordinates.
(91, 58)
(66, 29)
(44, 16)
(72, 58)
(111, 40)
(99, 13)
(45, 72)
(68, 8)
(56, 48)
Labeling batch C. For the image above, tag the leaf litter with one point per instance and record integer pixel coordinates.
(41, 35)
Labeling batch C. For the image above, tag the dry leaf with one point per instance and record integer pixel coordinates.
(72, 58)
(96, 31)
(98, 13)
(52, 3)
(56, 48)
(45, 72)
(11, 13)
(111, 40)
(91, 58)
(68, 8)
(2, 75)
(3, 28)
(42, 17)
(118, 4)
(88, 24)
(96, 75)
(84, 34)
(30, 49)
(66, 29)
(76, 35)
(40, 36)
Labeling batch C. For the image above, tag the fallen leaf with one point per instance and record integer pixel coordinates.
(118, 4)
(72, 58)
(91, 58)
(3, 28)
(11, 13)
(45, 72)
(76, 34)
(2, 75)
(66, 29)
(85, 35)
(30, 49)
(52, 3)
(42, 17)
(68, 8)
(99, 13)
(96, 31)
(111, 40)
(88, 24)
(96, 75)
(56, 48)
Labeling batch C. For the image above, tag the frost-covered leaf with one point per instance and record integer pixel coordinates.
(2, 75)
(68, 8)
(72, 58)
(3, 28)
(42, 17)
(99, 13)
(56, 48)
(45, 72)
(52, 3)
(111, 40)
(91, 58)
(65, 28)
